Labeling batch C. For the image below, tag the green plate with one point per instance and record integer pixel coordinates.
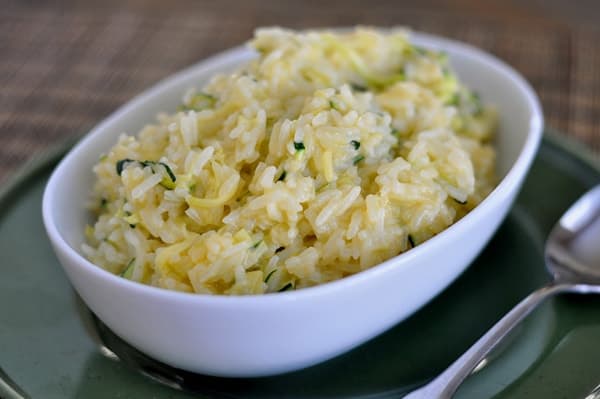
(46, 351)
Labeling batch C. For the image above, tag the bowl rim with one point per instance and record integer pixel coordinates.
(501, 192)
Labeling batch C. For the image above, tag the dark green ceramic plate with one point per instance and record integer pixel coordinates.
(45, 351)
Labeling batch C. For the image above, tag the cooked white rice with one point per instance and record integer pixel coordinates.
(326, 155)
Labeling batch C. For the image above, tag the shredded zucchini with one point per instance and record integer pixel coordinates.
(128, 271)
(168, 180)
(199, 102)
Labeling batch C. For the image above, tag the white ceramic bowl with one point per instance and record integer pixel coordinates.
(275, 333)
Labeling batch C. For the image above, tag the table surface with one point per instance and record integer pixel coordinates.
(67, 65)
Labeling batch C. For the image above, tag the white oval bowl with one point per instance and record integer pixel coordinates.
(275, 333)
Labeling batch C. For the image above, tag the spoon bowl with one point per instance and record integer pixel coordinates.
(572, 250)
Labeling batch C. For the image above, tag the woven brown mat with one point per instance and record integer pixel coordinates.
(65, 66)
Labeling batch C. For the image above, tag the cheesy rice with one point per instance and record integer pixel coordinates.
(325, 155)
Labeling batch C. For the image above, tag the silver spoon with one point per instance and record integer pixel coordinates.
(572, 256)
(595, 394)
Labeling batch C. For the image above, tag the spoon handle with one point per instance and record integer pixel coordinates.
(595, 394)
(444, 385)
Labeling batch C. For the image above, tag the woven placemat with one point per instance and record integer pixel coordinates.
(65, 66)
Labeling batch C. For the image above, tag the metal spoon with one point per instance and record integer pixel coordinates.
(572, 256)
(595, 394)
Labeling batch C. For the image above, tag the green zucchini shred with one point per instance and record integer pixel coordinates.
(454, 100)
(168, 180)
(282, 176)
(199, 102)
(286, 287)
(476, 100)
(357, 87)
(357, 159)
(269, 275)
(322, 187)
(120, 165)
(420, 50)
(278, 250)
(299, 146)
(361, 67)
(128, 271)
